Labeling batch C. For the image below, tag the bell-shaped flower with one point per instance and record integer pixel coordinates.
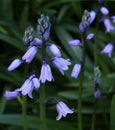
(76, 71)
(30, 54)
(61, 64)
(104, 10)
(62, 110)
(36, 42)
(108, 25)
(27, 88)
(92, 15)
(97, 94)
(15, 64)
(108, 50)
(11, 94)
(75, 42)
(113, 19)
(36, 82)
(46, 34)
(90, 36)
(54, 50)
(46, 73)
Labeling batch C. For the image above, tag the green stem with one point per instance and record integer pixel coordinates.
(24, 105)
(42, 108)
(93, 116)
(42, 92)
(24, 113)
(81, 83)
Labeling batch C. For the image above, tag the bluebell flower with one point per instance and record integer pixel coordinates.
(15, 64)
(76, 70)
(11, 94)
(92, 16)
(36, 42)
(104, 10)
(90, 36)
(108, 25)
(36, 82)
(108, 50)
(62, 110)
(30, 54)
(97, 94)
(46, 34)
(46, 73)
(54, 50)
(29, 85)
(61, 64)
(113, 19)
(75, 42)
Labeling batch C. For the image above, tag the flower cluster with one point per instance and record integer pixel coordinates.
(87, 19)
(33, 45)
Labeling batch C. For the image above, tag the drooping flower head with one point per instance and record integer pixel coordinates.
(90, 36)
(104, 10)
(108, 25)
(15, 64)
(11, 94)
(30, 54)
(29, 85)
(76, 70)
(75, 42)
(62, 110)
(46, 73)
(108, 50)
(54, 50)
(61, 64)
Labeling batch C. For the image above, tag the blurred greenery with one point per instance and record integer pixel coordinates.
(65, 15)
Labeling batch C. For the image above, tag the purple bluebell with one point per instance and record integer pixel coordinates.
(54, 50)
(104, 10)
(74, 42)
(11, 94)
(90, 36)
(36, 42)
(29, 85)
(108, 50)
(92, 16)
(36, 82)
(113, 19)
(46, 73)
(30, 54)
(15, 64)
(62, 110)
(76, 70)
(82, 28)
(61, 64)
(46, 34)
(97, 94)
(108, 25)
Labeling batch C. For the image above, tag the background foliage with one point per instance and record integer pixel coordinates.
(65, 16)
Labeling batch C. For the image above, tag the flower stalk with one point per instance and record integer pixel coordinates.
(81, 82)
